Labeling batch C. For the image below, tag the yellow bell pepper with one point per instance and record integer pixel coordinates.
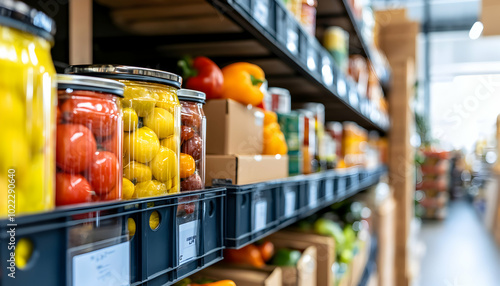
(242, 83)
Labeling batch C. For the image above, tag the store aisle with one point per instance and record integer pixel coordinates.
(460, 251)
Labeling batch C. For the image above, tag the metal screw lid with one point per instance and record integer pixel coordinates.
(79, 82)
(17, 15)
(191, 95)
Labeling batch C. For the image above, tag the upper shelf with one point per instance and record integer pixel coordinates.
(263, 32)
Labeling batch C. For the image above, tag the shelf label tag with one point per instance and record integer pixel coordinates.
(292, 40)
(341, 87)
(353, 98)
(313, 194)
(329, 190)
(260, 215)
(289, 203)
(102, 267)
(261, 12)
(188, 239)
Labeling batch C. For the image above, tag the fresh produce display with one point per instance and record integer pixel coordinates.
(89, 139)
(28, 110)
(274, 140)
(262, 253)
(249, 255)
(242, 82)
(193, 136)
(204, 75)
(286, 257)
(151, 123)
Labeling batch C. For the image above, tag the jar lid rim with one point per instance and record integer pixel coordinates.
(18, 15)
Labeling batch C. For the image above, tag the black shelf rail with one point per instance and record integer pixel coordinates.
(258, 210)
(276, 28)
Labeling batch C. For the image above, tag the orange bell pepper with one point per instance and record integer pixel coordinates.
(274, 140)
(217, 283)
(249, 254)
(266, 250)
(242, 83)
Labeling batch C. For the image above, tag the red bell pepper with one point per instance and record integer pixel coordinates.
(202, 74)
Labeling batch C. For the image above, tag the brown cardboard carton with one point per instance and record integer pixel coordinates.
(358, 263)
(489, 17)
(325, 252)
(244, 276)
(246, 169)
(233, 128)
(304, 274)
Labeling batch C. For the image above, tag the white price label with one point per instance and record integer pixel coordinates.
(313, 194)
(329, 189)
(103, 267)
(289, 203)
(292, 40)
(260, 215)
(261, 12)
(353, 98)
(188, 237)
(341, 87)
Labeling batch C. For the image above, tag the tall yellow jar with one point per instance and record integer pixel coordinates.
(27, 111)
(151, 124)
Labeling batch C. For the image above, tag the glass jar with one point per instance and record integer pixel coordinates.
(89, 140)
(151, 124)
(193, 130)
(28, 110)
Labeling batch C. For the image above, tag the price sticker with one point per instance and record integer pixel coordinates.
(290, 197)
(188, 238)
(260, 215)
(103, 267)
(329, 190)
(261, 12)
(341, 87)
(292, 40)
(313, 194)
(353, 98)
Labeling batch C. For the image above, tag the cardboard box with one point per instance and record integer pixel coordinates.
(358, 263)
(385, 224)
(233, 128)
(325, 252)
(244, 276)
(304, 274)
(489, 17)
(245, 169)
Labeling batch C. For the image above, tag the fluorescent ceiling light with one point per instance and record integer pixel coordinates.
(476, 30)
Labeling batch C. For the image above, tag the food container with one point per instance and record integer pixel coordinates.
(308, 16)
(281, 101)
(28, 110)
(89, 140)
(151, 124)
(318, 111)
(310, 164)
(193, 131)
(336, 41)
(292, 125)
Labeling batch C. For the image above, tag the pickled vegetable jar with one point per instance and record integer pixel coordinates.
(27, 110)
(151, 125)
(193, 128)
(89, 140)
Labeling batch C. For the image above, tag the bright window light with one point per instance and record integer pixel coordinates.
(476, 30)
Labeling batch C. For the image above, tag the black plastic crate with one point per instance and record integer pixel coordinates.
(67, 236)
(328, 188)
(292, 200)
(252, 212)
(315, 191)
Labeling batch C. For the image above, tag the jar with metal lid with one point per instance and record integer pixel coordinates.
(193, 128)
(151, 125)
(89, 140)
(27, 111)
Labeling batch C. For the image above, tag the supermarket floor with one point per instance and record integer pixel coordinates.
(460, 250)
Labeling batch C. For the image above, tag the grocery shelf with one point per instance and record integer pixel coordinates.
(261, 209)
(262, 32)
(339, 12)
(188, 236)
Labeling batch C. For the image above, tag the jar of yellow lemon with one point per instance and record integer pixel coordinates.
(151, 124)
(28, 110)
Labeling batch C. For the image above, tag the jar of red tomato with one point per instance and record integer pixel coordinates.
(193, 128)
(89, 140)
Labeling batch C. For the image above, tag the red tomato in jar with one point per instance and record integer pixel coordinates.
(72, 189)
(75, 147)
(99, 114)
(110, 144)
(103, 172)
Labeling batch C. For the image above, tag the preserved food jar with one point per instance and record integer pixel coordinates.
(89, 140)
(28, 110)
(151, 125)
(193, 128)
